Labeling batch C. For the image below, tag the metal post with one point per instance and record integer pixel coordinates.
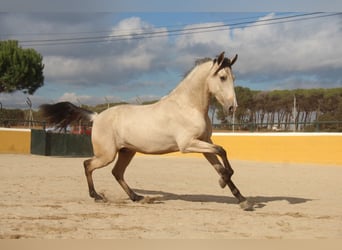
(30, 116)
(107, 101)
(233, 121)
(294, 113)
(0, 112)
(234, 108)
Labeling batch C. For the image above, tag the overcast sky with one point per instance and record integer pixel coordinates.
(130, 56)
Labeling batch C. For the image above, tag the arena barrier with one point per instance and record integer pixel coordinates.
(60, 144)
(316, 148)
(15, 141)
(320, 148)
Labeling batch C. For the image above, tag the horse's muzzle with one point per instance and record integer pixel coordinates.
(232, 108)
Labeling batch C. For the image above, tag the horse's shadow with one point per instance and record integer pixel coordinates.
(259, 201)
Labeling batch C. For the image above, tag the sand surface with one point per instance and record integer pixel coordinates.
(47, 197)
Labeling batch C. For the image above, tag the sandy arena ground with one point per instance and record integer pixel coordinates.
(47, 197)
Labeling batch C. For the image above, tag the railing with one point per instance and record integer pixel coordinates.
(18, 123)
(79, 128)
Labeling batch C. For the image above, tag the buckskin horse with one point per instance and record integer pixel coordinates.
(177, 122)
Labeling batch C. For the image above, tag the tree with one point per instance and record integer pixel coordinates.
(245, 102)
(20, 69)
(268, 108)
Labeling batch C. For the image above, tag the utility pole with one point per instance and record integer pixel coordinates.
(30, 115)
(234, 105)
(0, 110)
(294, 114)
(138, 100)
(80, 122)
(107, 101)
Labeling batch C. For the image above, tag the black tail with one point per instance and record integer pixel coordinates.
(64, 113)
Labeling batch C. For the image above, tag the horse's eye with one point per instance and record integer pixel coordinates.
(223, 78)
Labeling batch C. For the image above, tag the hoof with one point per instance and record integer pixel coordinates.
(246, 205)
(222, 183)
(100, 198)
(137, 198)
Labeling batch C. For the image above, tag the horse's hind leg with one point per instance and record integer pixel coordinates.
(92, 164)
(125, 157)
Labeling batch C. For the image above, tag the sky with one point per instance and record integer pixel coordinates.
(92, 57)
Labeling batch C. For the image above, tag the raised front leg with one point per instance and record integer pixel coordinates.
(226, 174)
(210, 151)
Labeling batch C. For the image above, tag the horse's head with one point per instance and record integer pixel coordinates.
(221, 82)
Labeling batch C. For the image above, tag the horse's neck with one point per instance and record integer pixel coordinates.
(192, 90)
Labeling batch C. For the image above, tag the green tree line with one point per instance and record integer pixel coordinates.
(283, 108)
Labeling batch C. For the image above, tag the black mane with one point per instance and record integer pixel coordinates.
(198, 62)
(226, 63)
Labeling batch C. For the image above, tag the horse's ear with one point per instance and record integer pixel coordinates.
(220, 58)
(234, 60)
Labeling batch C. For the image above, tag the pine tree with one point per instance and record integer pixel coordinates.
(20, 69)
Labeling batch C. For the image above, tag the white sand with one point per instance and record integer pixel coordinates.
(47, 197)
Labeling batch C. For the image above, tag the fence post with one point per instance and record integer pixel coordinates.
(251, 127)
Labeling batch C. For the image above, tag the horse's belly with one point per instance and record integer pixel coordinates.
(150, 144)
(159, 150)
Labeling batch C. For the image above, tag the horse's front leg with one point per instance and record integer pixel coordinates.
(210, 151)
(226, 174)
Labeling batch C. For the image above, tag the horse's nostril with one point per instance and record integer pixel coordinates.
(231, 109)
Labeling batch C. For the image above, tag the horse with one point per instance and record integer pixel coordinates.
(177, 122)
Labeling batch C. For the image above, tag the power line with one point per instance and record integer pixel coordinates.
(167, 31)
(175, 32)
(156, 34)
(128, 30)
